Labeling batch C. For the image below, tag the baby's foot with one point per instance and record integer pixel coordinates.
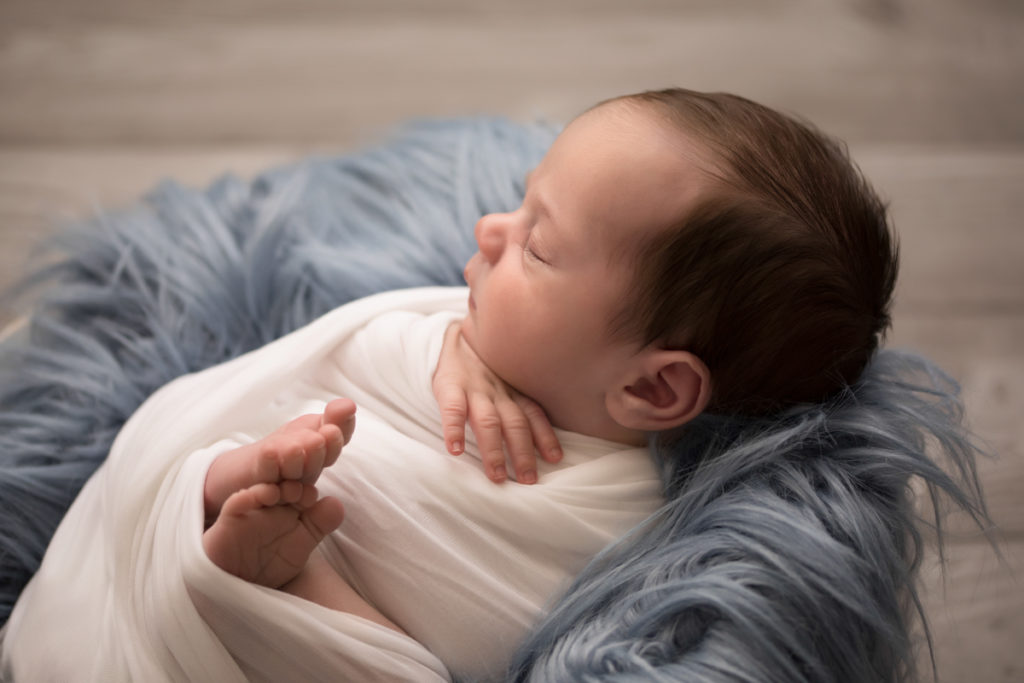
(265, 533)
(298, 452)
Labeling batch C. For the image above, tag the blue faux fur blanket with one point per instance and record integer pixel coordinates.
(787, 551)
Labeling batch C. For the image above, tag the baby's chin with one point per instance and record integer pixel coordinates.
(468, 332)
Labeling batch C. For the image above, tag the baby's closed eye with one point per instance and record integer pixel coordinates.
(529, 252)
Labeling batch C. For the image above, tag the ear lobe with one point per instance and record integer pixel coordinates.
(668, 389)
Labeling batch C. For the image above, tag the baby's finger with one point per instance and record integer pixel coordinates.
(515, 429)
(486, 424)
(451, 401)
(540, 427)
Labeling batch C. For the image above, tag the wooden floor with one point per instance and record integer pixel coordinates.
(100, 99)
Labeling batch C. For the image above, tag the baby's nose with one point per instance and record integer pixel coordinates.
(490, 235)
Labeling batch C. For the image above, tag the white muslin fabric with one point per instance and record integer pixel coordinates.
(465, 566)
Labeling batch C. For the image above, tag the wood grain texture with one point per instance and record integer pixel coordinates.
(976, 613)
(212, 73)
(100, 100)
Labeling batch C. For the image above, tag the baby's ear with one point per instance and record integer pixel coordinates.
(663, 389)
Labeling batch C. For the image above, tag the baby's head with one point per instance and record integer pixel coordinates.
(678, 252)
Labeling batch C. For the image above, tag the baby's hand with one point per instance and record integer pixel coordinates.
(498, 414)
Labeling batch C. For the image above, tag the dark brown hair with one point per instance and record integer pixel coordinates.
(780, 280)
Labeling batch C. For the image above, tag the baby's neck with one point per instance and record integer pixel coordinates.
(599, 426)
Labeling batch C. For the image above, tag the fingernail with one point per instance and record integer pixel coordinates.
(555, 454)
(456, 447)
(499, 473)
(528, 477)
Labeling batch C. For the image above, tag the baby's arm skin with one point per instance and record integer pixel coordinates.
(319, 583)
(499, 415)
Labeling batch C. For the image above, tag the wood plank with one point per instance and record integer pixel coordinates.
(50, 12)
(957, 211)
(941, 76)
(976, 613)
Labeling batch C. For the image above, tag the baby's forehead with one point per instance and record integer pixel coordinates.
(619, 174)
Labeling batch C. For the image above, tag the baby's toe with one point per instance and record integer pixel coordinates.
(299, 424)
(323, 517)
(341, 412)
(291, 492)
(250, 499)
(307, 498)
(294, 453)
(267, 465)
(314, 453)
(333, 443)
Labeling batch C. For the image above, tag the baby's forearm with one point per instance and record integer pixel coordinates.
(319, 583)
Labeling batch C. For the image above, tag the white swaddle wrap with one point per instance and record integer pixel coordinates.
(465, 566)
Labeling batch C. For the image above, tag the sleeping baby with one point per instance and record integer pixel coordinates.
(675, 253)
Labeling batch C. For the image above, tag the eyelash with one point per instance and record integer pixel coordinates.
(531, 253)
